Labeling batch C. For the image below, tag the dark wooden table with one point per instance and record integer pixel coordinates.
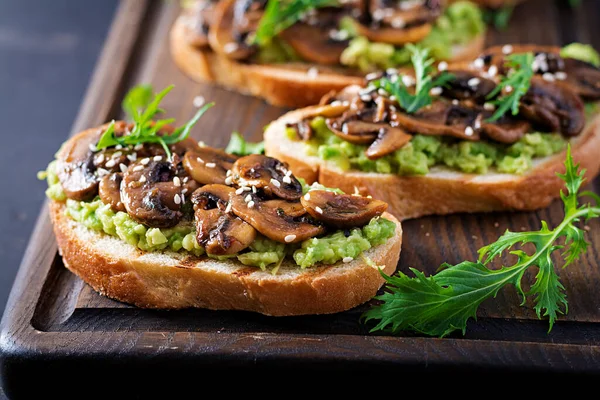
(48, 62)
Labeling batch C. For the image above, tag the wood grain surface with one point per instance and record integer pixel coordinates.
(53, 315)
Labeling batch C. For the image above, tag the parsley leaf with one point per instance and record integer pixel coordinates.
(239, 146)
(142, 108)
(281, 14)
(516, 84)
(443, 303)
(395, 86)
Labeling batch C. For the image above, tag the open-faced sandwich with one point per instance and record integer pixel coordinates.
(292, 52)
(469, 137)
(148, 216)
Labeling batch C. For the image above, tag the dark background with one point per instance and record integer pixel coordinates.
(48, 49)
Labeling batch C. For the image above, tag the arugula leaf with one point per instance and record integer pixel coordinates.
(517, 83)
(499, 17)
(238, 145)
(281, 14)
(443, 303)
(142, 108)
(412, 103)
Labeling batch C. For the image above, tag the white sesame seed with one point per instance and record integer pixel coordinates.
(307, 196)
(157, 158)
(275, 182)
(102, 172)
(336, 103)
(489, 107)
(507, 49)
(346, 260)
(185, 179)
(560, 75)
(469, 131)
(398, 23)
(391, 71)
(443, 66)
(200, 160)
(143, 178)
(132, 157)
(493, 71)
(288, 173)
(92, 147)
(177, 199)
(289, 238)
(210, 165)
(250, 204)
(548, 77)
(184, 191)
(474, 82)
(253, 189)
(436, 91)
(198, 101)
(176, 181)
(312, 73)
(138, 147)
(319, 210)
(287, 179)
(366, 98)
(228, 208)
(382, 92)
(100, 158)
(408, 80)
(248, 198)
(111, 163)
(496, 224)
(182, 198)
(123, 167)
(138, 168)
(145, 161)
(117, 154)
(118, 147)
(201, 144)
(228, 180)
(478, 63)
(508, 89)
(228, 173)
(246, 188)
(239, 191)
(371, 76)
(455, 102)
(477, 124)
(230, 47)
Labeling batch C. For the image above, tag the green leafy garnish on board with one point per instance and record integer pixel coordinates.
(424, 82)
(142, 107)
(515, 85)
(281, 14)
(499, 17)
(440, 304)
(239, 146)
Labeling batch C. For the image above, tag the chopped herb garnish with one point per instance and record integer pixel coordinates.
(515, 85)
(142, 109)
(422, 65)
(443, 303)
(239, 146)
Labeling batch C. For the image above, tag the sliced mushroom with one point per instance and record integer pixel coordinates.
(219, 232)
(342, 211)
(197, 20)
(357, 132)
(270, 218)
(110, 191)
(207, 165)
(233, 21)
(554, 107)
(151, 194)
(506, 130)
(268, 174)
(314, 43)
(467, 85)
(388, 140)
(583, 77)
(394, 36)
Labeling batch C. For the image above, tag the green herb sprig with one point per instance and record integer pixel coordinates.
(239, 146)
(443, 303)
(142, 108)
(518, 81)
(281, 14)
(422, 65)
(499, 17)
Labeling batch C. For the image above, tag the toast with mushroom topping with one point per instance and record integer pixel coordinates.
(293, 52)
(477, 136)
(148, 216)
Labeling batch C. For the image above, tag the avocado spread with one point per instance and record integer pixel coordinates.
(327, 249)
(424, 152)
(461, 23)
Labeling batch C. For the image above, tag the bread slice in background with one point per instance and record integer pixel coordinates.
(169, 280)
(287, 85)
(442, 190)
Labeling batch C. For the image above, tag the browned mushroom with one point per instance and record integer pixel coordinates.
(506, 130)
(342, 211)
(208, 165)
(217, 230)
(233, 21)
(282, 221)
(110, 191)
(468, 85)
(197, 19)
(268, 174)
(152, 193)
(554, 107)
(388, 140)
(357, 132)
(583, 77)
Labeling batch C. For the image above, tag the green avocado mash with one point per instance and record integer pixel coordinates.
(263, 252)
(583, 52)
(461, 22)
(424, 152)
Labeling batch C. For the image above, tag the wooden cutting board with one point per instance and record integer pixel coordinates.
(53, 316)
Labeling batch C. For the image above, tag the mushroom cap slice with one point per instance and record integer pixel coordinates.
(150, 194)
(394, 36)
(355, 131)
(468, 85)
(342, 210)
(268, 174)
(584, 78)
(270, 218)
(314, 44)
(388, 141)
(207, 165)
(110, 191)
(198, 19)
(225, 36)
(220, 232)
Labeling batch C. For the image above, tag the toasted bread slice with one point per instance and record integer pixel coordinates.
(287, 85)
(493, 3)
(442, 190)
(169, 280)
